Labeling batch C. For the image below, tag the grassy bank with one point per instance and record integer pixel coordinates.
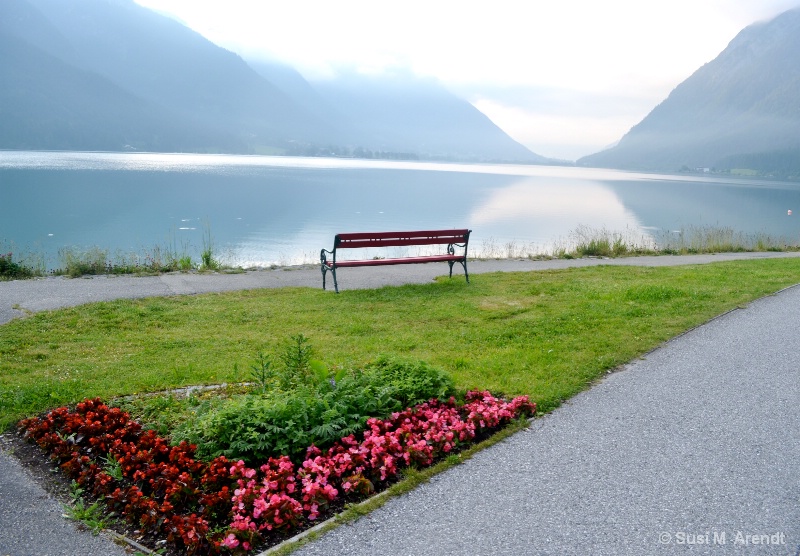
(546, 334)
(584, 241)
(75, 262)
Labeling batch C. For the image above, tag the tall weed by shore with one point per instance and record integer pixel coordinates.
(13, 268)
(716, 239)
(586, 241)
(93, 261)
(208, 259)
(591, 242)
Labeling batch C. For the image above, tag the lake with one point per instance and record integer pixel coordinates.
(261, 211)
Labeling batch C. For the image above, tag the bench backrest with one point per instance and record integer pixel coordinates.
(399, 239)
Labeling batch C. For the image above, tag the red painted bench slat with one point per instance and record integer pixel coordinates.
(404, 260)
(360, 240)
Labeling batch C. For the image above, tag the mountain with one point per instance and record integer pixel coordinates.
(164, 62)
(113, 75)
(48, 104)
(741, 110)
(400, 113)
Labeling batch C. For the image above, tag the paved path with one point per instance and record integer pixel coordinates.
(698, 442)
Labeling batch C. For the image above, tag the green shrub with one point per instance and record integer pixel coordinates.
(11, 269)
(286, 422)
(411, 382)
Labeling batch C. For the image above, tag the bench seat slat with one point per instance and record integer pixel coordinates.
(359, 240)
(397, 242)
(404, 235)
(404, 260)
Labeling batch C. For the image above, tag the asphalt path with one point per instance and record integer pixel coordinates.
(694, 448)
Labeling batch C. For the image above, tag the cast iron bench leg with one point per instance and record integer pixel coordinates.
(464, 264)
(324, 270)
(335, 283)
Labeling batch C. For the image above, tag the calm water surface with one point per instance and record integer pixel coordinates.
(260, 211)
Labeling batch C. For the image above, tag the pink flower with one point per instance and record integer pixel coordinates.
(230, 541)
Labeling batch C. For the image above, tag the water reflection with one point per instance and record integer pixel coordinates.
(544, 213)
(747, 207)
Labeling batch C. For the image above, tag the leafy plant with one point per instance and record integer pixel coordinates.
(90, 516)
(112, 467)
(262, 373)
(296, 359)
(322, 408)
(411, 382)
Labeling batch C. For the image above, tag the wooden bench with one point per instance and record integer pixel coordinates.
(360, 240)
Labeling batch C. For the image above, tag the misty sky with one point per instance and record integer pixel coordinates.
(566, 78)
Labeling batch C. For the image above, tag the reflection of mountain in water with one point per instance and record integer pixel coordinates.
(535, 209)
(746, 207)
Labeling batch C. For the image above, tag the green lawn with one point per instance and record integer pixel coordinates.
(548, 334)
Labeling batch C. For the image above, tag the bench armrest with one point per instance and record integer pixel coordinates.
(323, 259)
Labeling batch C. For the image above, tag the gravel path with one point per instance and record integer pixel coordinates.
(695, 448)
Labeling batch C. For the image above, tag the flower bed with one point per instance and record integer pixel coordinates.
(226, 507)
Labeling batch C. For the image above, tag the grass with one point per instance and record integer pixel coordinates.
(547, 334)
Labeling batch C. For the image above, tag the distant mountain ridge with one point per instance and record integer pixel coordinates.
(741, 110)
(388, 113)
(112, 75)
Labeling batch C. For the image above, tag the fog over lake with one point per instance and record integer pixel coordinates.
(262, 211)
